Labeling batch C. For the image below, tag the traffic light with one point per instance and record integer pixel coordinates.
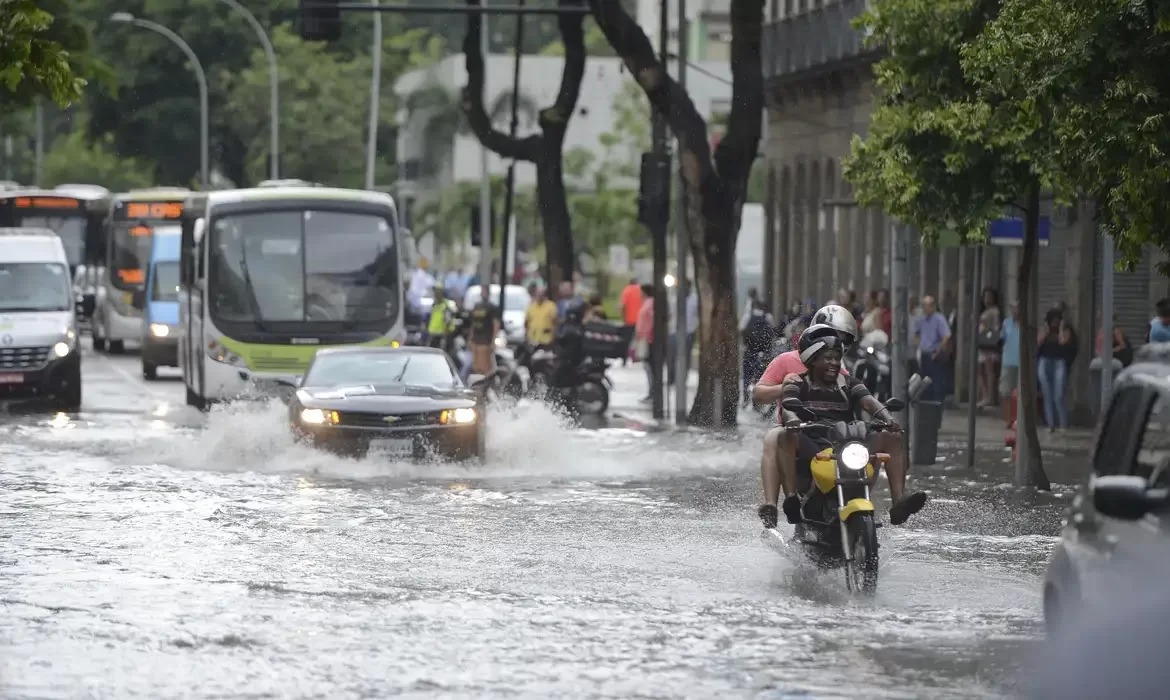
(654, 190)
(476, 232)
(320, 20)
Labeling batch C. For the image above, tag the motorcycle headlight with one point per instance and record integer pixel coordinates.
(869, 350)
(854, 456)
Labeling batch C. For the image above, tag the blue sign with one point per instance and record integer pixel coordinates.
(1010, 232)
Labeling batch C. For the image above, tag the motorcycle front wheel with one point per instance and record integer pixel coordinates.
(861, 572)
(592, 398)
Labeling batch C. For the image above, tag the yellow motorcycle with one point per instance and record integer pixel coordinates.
(840, 527)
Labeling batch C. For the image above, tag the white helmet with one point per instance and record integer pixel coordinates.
(839, 319)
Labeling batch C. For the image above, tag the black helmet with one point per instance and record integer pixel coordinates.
(575, 311)
(839, 319)
(817, 339)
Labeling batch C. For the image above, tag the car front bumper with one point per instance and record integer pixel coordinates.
(45, 378)
(446, 441)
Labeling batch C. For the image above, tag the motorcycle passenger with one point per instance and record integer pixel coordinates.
(441, 324)
(569, 344)
(831, 397)
(787, 363)
(758, 336)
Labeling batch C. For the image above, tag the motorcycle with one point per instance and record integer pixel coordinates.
(872, 366)
(840, 527)
(529, 371)
(588, 391)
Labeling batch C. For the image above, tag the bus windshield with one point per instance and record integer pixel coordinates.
(71, 230)
(34, 287)
(303, 266)
(165, 282)
(130, 251)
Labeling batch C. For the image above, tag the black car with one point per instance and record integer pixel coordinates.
(1115, 544)
(408, 402)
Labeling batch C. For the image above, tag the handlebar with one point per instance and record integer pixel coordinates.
(875, 426)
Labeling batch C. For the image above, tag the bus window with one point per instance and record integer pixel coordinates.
(71, 230)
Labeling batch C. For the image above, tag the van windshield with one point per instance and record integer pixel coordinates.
(166, 281)
(34, 287)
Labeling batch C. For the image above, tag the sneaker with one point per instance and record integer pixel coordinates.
(769, 515)
(792, 509)
(909, 505)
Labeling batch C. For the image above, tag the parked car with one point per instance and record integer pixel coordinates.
(1116, 537)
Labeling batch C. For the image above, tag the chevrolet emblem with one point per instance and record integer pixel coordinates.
(390, 419)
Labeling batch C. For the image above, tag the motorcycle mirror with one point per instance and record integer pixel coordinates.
(895, 404)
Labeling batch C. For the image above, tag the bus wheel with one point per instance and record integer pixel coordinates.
(149, 371)
(99, 343)
(117, 347)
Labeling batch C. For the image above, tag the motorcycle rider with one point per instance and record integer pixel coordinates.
(569, 344)
(832, 397)
(441, 323)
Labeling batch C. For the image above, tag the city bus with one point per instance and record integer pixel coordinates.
(131, 220)
(74, 214)
(272, 274)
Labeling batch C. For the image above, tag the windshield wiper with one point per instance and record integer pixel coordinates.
(253, 302)
(398, 379)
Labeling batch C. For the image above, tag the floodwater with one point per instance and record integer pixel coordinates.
(150, 552)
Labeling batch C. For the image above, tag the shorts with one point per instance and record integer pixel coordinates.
(1009, 379)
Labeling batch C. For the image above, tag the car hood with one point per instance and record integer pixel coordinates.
(27, 328)
(375, 398)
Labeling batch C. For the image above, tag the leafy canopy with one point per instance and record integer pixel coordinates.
(941, 154)
(1100, 66)
(34, 54)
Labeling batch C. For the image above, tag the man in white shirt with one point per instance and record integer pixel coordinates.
(421, 283)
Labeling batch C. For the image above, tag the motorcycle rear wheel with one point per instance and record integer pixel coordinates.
(861, 572)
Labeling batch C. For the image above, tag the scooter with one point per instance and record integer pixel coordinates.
(588, 394)
(872, 366)
(840, 526)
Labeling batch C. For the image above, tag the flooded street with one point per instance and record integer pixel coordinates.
(149, 551)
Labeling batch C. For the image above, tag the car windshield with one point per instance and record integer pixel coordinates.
(71, 230)
(303, 266)
(410, 368)
(165, 285)
(34, 287)
(515, 298)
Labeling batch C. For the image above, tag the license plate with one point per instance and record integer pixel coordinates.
(398, 447)
(11, 378)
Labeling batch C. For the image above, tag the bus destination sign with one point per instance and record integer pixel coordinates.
(154, 210)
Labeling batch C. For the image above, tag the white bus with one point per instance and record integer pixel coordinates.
(270, 275)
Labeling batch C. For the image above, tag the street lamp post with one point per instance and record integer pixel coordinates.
(127, 18)
(274, 85)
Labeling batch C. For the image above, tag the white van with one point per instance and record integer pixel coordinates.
(39, 353)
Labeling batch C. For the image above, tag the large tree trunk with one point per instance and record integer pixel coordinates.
(543, 149)
(552, 202)
(716, 183)
(1028, 442)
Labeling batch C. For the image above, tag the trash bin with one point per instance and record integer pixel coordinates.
(1095, 383)
(927, 421)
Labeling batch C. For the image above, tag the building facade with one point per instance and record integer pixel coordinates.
(820, 93)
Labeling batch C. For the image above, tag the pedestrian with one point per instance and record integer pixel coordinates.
(1159, 330)
(1009, 371)
(540, 318)
(485, 326)
(643, 336)
(887, 317)
(1056, 352)
(692, 321)
(989, 354)
(1122, 349)
(872, 316)
(933, 338)
(631, 303)
(753, 296)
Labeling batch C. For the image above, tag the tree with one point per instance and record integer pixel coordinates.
(72, 159)
(944, 155)
(1100, 67)
(543, 149)
(715, 183)
(40, 54)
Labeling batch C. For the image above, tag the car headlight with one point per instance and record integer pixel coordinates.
(316, 416)
(854, 456)
(459, 416)
(62, 349)
(160, 330)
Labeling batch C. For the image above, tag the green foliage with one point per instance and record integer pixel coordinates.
(1100, 67)
(942, 155)
(72, 159)
(325, 102)
(35, 52)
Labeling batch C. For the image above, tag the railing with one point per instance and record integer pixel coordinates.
(813, 39)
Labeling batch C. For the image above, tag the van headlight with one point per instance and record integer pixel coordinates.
(62, 349)
(854, 456)
(160, 330)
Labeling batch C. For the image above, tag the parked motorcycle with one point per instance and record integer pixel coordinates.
(872, 365)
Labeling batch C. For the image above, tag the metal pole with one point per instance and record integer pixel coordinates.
(1106, 321)
(40, 142)
(274, 86)
(485, 186)
(126, 17)
(681, 332)
(658, 234)
(976, 277)
(511, 184)
(375, 98)
(899, 348)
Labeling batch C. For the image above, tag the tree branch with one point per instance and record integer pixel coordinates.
(665, 94)
(736, 152)
(527, 148)
(555, 120)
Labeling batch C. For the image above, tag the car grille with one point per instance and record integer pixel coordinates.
(23, 358)
(279, 364)
(379, 420)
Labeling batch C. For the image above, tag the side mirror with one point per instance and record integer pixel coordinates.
(138, 299)
(1125, 497)
(895, 404)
